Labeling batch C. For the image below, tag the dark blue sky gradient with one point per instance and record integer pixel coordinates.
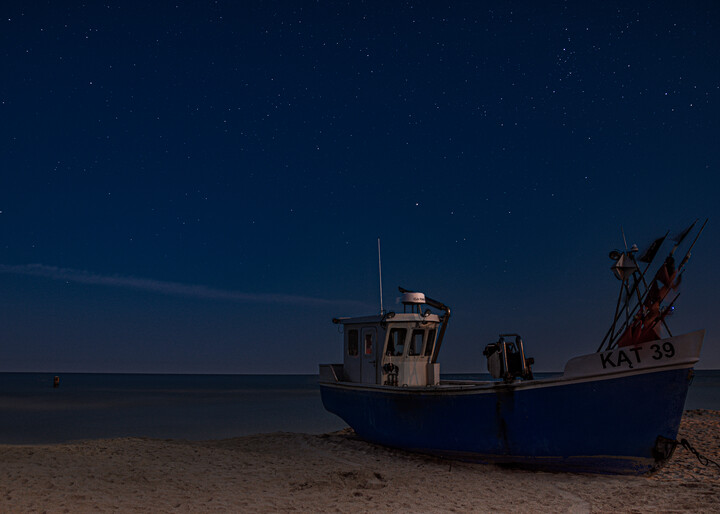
(188, 174)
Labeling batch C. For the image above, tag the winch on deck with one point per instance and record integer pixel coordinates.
(506, 359)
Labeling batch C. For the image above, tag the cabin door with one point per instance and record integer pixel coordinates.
(369, 359)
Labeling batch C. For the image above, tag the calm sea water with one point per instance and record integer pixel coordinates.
(90, 406)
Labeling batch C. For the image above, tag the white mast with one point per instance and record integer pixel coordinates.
(382, 311)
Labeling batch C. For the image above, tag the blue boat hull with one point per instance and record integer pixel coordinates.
(606, 425)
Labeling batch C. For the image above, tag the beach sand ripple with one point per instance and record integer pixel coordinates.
(333, 473)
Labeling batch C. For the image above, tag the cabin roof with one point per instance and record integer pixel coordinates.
(399, 317)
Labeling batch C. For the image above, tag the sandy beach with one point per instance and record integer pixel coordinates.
(333, 473)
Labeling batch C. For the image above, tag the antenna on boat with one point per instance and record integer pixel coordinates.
(623, 234)
(382, 311)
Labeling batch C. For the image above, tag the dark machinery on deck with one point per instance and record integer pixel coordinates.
(506, 359)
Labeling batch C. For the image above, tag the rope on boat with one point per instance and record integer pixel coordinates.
(703, 460)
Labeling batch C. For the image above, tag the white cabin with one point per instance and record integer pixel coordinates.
(395, 349)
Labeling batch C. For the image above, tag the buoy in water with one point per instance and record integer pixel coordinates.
(56, 382)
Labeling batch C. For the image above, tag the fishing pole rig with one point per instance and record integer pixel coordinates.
(643, 305)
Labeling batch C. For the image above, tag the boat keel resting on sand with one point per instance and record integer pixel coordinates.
(614, 411)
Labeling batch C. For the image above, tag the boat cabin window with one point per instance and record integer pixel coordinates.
(352, 345)
(416, 342)
(430, 343)
(396, 341)
(368, 344)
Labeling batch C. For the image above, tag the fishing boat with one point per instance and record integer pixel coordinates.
(613, 411)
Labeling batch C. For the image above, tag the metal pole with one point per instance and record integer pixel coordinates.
(615, 318)
(687, 255)
(382, 311)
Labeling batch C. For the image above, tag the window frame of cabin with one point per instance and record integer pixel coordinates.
(430, 342)
(357, 342)
(368, 342)
(423, 336)
(390, 332)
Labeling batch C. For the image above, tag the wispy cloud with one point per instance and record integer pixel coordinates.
(167, 288)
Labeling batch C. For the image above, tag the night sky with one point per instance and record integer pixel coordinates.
(198, 187)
